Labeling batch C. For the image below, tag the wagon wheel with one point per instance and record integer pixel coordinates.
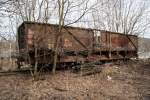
(18, 65)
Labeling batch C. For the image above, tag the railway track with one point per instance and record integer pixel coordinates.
(15, 72)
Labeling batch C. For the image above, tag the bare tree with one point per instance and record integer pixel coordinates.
(67, 7)
(30, 10)
(61, 4)
(125, 16)
(43, 10)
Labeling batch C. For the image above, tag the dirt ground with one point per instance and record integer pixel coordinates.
(116, 81)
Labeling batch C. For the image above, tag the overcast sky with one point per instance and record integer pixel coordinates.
(7, 27)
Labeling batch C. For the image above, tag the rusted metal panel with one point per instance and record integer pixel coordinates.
(75, 40)
(119, 41)
(45, 36)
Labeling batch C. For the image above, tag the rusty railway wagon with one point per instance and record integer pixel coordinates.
(76, 44)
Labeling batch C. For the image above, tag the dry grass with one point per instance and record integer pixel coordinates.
(110, 70)
(65, 88)
(66, 85)
(7, 64)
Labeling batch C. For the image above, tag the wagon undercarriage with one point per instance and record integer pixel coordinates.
(77, 45)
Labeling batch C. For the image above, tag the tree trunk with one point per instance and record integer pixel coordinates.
(36, 65)
(58, 35)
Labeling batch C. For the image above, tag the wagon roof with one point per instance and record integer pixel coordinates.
(81, 28)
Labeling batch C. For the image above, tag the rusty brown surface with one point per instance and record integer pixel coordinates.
(106, 45)
(118, 41)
